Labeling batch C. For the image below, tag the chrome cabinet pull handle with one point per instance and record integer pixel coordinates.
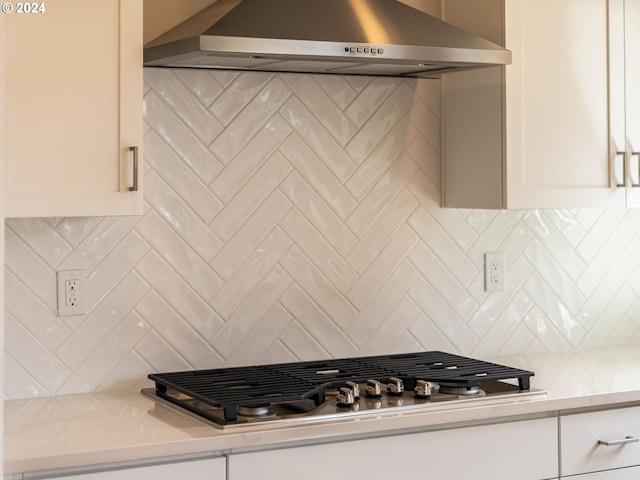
(134, 188)
(636, 184)
(623, 441)
(624, 169)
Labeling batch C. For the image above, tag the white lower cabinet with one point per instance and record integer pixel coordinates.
(603, 445)
(523, 450)
(206, 469)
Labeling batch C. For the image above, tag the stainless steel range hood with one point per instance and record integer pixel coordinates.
(366, 37)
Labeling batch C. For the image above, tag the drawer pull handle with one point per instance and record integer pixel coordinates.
(624, 441)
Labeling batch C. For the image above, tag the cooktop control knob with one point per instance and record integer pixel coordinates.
(395, 386)
(355, 388)
(424, 389)
(373, 388)
(345, 397)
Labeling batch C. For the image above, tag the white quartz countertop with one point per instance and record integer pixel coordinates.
(50, 433)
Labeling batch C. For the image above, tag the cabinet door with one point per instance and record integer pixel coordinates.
(632, 62)
(560, 152)
(547, 127)
(525, 450)
(74, 108)
(210, 469)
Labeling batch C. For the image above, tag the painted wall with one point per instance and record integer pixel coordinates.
(296, 217)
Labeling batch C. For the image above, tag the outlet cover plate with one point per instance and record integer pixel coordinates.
(76, 304)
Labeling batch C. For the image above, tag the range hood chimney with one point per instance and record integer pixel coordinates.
(366, 37)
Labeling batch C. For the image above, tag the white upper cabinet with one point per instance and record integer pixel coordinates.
(74, 108)
(556, 128)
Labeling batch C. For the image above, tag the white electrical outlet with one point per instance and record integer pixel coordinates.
(71, 293)
(493, 272)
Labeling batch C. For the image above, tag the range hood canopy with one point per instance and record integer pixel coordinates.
(366, 37)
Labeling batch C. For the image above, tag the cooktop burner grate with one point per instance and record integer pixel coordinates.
(260, 386)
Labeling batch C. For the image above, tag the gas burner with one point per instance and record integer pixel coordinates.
(460, 390)
(259, 411)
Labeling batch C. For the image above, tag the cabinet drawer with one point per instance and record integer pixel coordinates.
(525, 450)
(580, 434)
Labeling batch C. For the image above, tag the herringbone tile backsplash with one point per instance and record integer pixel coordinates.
(296, 217)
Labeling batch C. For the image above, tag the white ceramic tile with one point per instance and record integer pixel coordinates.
(381, 159)
(159, 355)
(304, 160)
(180, 98)
(74, 229)
(183, 181)
(316, 322)
(398, 320)
(598, 235)
(250, 120)
(182, 219)
(264, 239)
(41, 362)
(257, 344)
(238, 210)
(443, 316)
(179, 294)
(257, 150)
(23, 262)
(252, 233)
(376, 275)
(183, 141)
(444, 282)
(338, 88)
(177, 253)
(370, 99)
(444, 246)
(375, 313)
(98, 243)
(389, 185)
(320, 142)
(429, 336)
(114, 268)
(318, 250)
(318, 213)
(182, 337)
(101, 322)
(373, 241)
(32, 314)
(202, 83)
(107, 356)
(321, 104)
(237, 94)
(319, 288)
(44, 240)
(380, 122)
(251, 311)
(257, 266)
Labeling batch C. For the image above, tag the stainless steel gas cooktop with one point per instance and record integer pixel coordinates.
(331, 389)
